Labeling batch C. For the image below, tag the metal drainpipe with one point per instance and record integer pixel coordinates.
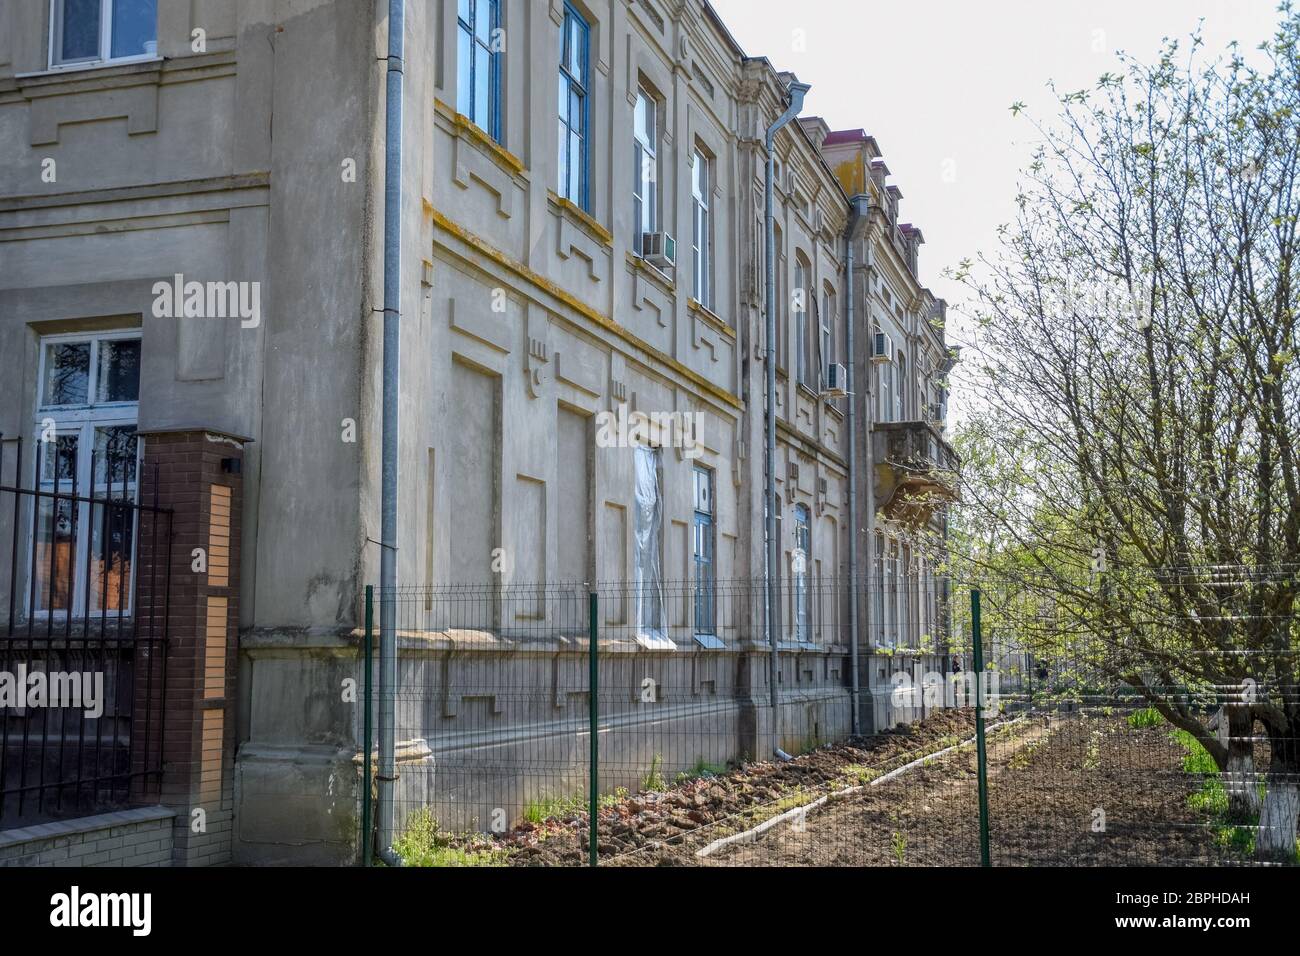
(858, 212)
(797, 92)
(388, 521)
(869, 263)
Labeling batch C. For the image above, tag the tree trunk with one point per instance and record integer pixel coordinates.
(1237, 732)
(1277, 819)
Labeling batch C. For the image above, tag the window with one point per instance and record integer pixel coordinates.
(478, 77)
(891, 594)
(88, 31)
(799, 572)
(573, 108)
(878, 597)
(828, 329)
(886, 390)
(907, 587)
(87, 407)
(645, 183)
(799, 313)
(925, 599)
(701, 229)
(705, 572)
(649, 550)
(900, 390)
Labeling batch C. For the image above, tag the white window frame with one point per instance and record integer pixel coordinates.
(803, 360)
(891, 572)
(702, 228)
(886, 390)
(828, 331)
(900, 390)
(105, 53)
(82, 420)
(645, 188)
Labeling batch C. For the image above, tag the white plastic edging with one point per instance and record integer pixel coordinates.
(749, 836)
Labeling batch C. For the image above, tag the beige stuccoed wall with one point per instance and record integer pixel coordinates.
(227, 165)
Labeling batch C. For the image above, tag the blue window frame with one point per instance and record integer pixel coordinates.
(705, 572)
(478, 80)
(574, 57)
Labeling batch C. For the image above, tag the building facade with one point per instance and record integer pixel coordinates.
(191, 281)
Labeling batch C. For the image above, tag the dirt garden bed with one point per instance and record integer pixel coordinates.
(666, 825)
(1079, 789)
(1065, 790)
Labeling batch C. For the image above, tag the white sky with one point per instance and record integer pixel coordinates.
(933, 81)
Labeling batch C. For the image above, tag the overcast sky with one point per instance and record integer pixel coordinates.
(933, 81)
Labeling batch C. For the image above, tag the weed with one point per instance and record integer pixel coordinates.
(654, 780)
(900, 847)
(423, 844)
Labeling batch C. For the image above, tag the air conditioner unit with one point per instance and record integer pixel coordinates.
(659, 248)
(882, 347)
(837, 381)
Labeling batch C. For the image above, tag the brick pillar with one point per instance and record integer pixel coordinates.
(198, 475)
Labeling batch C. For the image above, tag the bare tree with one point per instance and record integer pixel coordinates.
(1133, 356)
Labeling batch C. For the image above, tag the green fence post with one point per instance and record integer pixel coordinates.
(593, 713)
(981, 754)
(367, 839)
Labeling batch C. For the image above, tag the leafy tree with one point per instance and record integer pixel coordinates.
(1133, 476)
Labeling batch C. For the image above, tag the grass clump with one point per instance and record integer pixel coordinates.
(1146, 717)
(550, 808)
(422, 844)
(1211, 799)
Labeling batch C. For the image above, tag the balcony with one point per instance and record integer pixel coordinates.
(915, 470)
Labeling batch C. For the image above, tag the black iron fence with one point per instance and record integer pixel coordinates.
(84, 579)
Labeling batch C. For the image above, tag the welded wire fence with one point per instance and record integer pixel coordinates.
(697, 762)
(1159, 722)
(497, 698)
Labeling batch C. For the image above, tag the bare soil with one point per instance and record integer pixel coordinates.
(667, 826)
(1072, 789)
(1067, 790)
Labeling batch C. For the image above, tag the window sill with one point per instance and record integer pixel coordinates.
(122, 65)
(658, 275)
(462, 127)
(711, 317)
(580, 218)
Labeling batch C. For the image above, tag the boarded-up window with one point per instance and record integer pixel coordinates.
(474, 492)
(649, 550)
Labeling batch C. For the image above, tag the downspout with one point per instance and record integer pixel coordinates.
(797, 92)
(388, 522)
(859, 208)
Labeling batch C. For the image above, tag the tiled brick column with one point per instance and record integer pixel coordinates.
(198, 475)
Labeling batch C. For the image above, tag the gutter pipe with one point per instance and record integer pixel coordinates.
(859, 211)
(797, 91)
(388, 522)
